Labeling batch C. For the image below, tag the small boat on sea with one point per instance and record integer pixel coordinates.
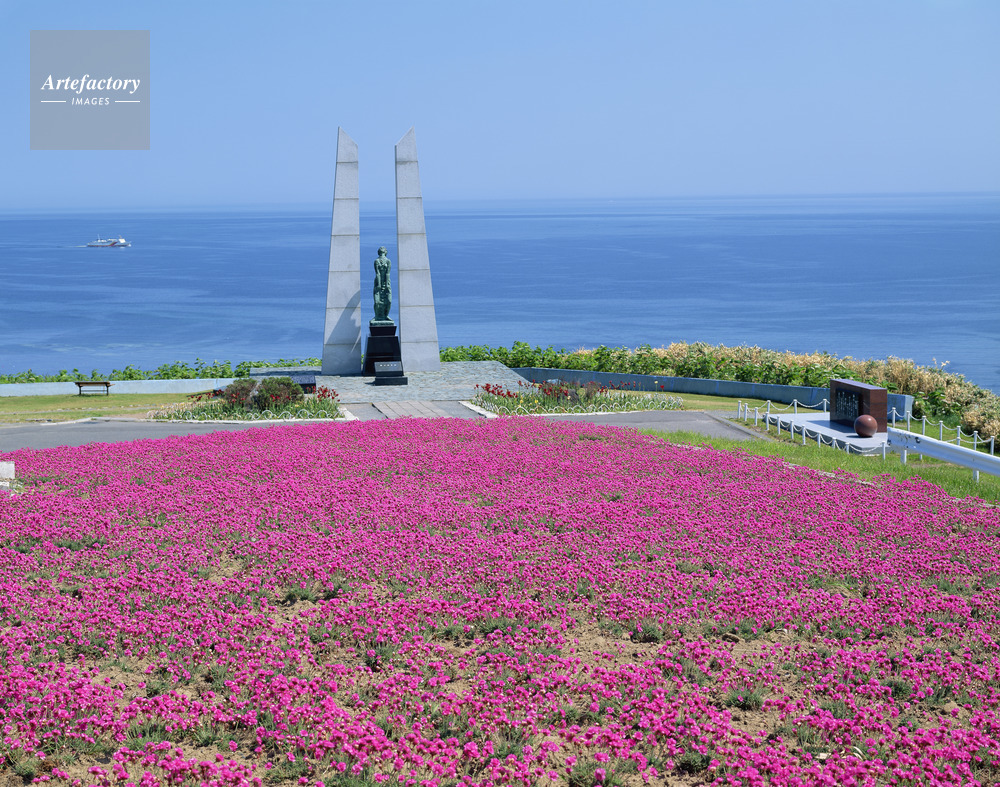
(108, 243)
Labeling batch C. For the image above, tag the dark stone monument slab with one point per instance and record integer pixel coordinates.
(849, 399)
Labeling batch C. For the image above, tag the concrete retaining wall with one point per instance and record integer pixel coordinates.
(646, 382)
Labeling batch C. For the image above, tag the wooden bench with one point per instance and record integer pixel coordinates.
(82, 384)
(849, 399)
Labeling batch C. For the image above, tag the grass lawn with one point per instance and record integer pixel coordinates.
(22, 409)
(705, 402)
(696, 402)
(955, 481)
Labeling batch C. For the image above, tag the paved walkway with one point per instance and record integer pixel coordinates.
(428, 395)
(417, 409)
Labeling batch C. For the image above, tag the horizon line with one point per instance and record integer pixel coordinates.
(390, 202)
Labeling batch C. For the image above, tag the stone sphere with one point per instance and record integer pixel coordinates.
(865, 425)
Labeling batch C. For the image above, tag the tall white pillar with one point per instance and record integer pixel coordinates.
(342, 332)
(417, 322)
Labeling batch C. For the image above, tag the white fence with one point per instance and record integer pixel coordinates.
(977, 442)
(973, 438)
(809, 433)
(974, 456)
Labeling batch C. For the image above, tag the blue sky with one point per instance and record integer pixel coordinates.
(528, 99)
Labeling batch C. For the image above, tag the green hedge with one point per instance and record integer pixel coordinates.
(937, 393)
(698, 360)
(179, 370)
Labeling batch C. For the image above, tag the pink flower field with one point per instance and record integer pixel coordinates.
(510, 601)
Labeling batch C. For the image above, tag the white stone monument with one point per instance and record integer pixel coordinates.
(342, 333)
(417, 321)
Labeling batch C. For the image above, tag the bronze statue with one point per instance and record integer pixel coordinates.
(383, 288)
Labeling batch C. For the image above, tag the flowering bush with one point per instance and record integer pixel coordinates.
(238, 394)
(502, 602)
(276, 393)
(248, 398)
(562, 397)
(325, 394)
(499, 391)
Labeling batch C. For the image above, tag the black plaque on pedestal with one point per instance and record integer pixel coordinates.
(383, 356)
(389, 373)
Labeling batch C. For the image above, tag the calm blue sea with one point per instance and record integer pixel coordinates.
(911, 276)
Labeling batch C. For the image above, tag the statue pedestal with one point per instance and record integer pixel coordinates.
(383, 357)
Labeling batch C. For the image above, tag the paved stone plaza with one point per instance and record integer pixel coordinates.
(452, 382)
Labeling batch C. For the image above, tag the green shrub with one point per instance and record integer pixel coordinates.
(692, 762)
(237, 394)
(745, 697)
(248, 399)
(169, 371)
(276, 393)
(27, 769)
(648, 630)
(982, 416)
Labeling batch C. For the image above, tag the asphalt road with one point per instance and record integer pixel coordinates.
(108, 430)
